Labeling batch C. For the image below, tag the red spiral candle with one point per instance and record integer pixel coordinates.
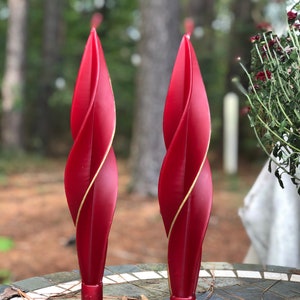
(91, 177)
(185, 184)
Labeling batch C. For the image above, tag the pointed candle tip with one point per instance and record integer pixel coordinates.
(93, 32)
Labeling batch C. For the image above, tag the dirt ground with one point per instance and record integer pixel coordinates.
(35, 215)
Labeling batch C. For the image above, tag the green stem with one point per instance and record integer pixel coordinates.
(283, 111)
(254, 90)
(279, 138)
(270, 156)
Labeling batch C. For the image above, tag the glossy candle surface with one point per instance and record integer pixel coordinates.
(185, 185)
(91, 177)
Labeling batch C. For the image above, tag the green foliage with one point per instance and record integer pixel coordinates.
(273, 96)
(6, 244)
(5, 276)
(17, 162)
(119, 48)
(118, 16)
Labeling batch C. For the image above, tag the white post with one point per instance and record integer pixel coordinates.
(230, 144)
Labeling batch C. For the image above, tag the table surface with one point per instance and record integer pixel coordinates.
(149, 281)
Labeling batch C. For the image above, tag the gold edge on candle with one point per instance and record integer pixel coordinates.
(95, 176)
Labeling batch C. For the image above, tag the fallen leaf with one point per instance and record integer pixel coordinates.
(9, 293)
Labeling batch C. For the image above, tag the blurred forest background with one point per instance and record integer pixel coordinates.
(41, 47)
(42, 42)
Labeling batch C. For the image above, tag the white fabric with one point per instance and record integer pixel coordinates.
(271, 218)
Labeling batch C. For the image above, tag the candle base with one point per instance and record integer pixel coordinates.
(180, 298)
(91, 292)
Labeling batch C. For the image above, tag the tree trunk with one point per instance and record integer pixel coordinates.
(239, 37)
(52, 33)
(202, 12)
(158, 48)
(13, 80)
(239, 46)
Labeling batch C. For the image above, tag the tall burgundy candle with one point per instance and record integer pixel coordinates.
(91, 177)
(185, 185)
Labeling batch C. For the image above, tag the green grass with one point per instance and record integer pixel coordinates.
(5, 277)
(6, 244)
(11, 163)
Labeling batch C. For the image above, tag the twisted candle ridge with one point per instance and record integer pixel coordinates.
(91, 169)
(185, 187)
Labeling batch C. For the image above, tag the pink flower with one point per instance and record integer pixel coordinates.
(245, 110)
(256, 87)
(272, 42)
(291, 15)
(255, 38)
(296, 25)
(263, 75)
(265, 26)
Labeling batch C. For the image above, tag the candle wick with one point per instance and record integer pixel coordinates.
(96, 20)
(189, 25)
